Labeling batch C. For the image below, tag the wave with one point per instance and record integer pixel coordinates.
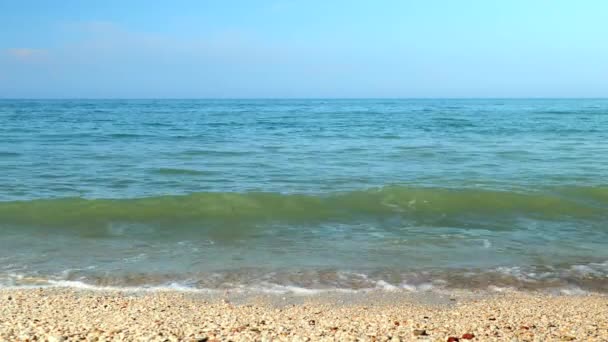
(390, 201)
(128, 135)
(214, 153)
(183, 172)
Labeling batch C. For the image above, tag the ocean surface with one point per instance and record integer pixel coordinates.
(305, 195)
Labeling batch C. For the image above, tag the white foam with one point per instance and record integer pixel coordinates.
(368, 282)
(407, 287)
(163, 288)
(494, 288)
(584, 270)
(291, 289)
(573, 291)
(425, 287)
(383, 285)
(272, 289)
(135, 258)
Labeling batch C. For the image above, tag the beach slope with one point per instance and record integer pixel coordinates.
(65, 314)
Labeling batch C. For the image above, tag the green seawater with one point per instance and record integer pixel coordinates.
(305, 195)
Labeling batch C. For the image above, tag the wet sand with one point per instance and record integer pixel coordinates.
(67, 314)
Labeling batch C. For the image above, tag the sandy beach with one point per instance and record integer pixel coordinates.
(73, 315)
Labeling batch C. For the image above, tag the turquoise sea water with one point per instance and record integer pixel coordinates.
(299, 195)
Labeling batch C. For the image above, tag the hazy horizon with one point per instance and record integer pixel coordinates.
(289, 98)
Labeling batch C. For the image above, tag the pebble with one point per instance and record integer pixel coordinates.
(420, 332)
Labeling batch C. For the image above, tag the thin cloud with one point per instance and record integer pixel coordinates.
(26, 54)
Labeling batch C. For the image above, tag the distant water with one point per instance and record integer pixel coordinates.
(305, 195)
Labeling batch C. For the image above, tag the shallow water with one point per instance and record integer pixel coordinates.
(277, 195)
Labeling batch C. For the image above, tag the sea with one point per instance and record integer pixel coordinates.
(305, 195)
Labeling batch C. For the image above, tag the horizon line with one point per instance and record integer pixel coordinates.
(302, 98)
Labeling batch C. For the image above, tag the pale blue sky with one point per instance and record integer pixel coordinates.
(307, 48)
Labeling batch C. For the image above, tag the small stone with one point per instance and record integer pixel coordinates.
(453, 339)
(239, 329)
(468, 336)
(55, 338)
(312, 322)
(420, 332)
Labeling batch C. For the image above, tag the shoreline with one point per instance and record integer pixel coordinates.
(57, 314)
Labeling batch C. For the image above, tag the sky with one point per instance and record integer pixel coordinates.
(303, 49)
